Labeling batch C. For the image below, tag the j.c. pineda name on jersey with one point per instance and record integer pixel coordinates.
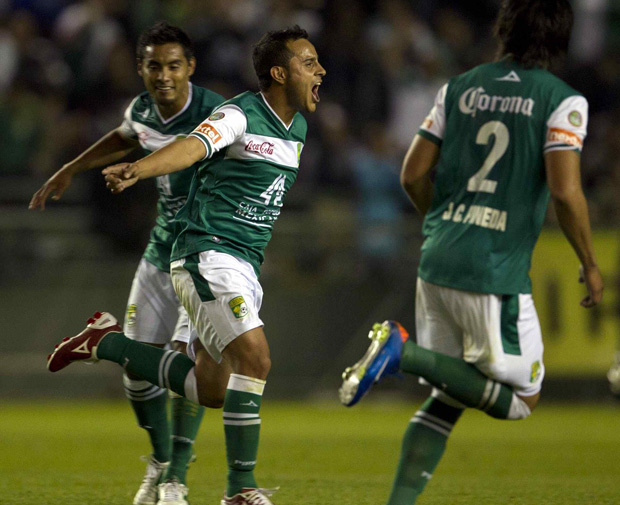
(476, 99)
(478, 215)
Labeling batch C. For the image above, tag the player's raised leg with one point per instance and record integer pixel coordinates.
(103, 339)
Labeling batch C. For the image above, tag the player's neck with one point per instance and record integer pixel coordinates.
(279, 104)
(168, 110)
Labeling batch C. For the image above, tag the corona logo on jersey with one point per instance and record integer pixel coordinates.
(260, 147)
(476, 99)
(209, 131)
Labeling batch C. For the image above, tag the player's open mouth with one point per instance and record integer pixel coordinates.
(164, 88)
(315, 92)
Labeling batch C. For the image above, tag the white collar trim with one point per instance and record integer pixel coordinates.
(274, 113)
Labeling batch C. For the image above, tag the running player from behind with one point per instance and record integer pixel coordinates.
(170, 109)
(503, 138)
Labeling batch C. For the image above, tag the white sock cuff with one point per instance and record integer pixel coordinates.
(190, 387)
(518, 409)
(246, 384)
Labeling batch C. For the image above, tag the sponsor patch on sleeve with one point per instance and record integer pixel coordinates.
(216, 115)
(212, 134)
(427, 124)
(560, 136)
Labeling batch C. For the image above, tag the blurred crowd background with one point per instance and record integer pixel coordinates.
(346, 247)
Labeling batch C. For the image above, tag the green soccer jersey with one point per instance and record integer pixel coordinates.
(144, 122)
(237, 195)
(493, 124)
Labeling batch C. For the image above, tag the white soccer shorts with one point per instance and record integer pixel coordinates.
(499, 334)
(154, 313)
(222, 296)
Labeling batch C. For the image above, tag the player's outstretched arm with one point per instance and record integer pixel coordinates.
(564, 181)
(111, 147)
(415, 174)
(171, 158)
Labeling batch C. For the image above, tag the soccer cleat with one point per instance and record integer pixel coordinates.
(148, 492)
(172, 492)
(382, 359)
(250, 496)
(83, 347)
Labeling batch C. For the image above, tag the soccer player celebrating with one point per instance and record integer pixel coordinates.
(502, 137)
(170, 108)
(251, 146)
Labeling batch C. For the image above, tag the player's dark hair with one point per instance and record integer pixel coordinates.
(163, 33)
(534, 32)
(271, 51)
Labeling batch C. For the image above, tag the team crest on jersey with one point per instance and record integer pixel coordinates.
(217, 115)
(132, 314)
(574, 118)
(535, 371)
(238, 307)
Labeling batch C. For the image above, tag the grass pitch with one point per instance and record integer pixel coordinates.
(87, 453)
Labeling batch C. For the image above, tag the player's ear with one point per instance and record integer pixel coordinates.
(139, 67)
(191, 66)
(278, 74)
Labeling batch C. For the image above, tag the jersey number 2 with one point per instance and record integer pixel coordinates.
(478, 182)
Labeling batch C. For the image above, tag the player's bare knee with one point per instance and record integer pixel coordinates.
(254, 366)
(249, 355)
(531, 401)
(209, 400)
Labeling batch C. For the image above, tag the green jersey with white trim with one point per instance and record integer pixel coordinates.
(144, 123)
(493, 124)
(237, 195)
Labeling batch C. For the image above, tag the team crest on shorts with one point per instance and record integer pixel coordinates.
(132, 311)
(535, 371)
(239, 307)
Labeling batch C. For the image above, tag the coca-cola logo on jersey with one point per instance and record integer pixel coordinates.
(260, 147)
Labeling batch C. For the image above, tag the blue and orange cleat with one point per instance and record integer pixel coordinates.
(382, 359)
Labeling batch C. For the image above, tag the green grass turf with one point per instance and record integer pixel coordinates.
(87, 453)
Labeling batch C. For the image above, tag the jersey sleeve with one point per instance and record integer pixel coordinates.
(126, 127)
(221, 128)
(434, 125)
(567, 125)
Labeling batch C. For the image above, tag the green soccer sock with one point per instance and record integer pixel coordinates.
(463, 382)
(241, 429)
(423, 445)
(163, 368)
(186, 418)
(149, 403)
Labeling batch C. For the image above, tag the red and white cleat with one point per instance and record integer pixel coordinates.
(250, 496)
(83, 347)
